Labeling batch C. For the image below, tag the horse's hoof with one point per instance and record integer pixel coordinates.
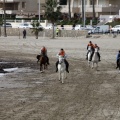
(41, 71)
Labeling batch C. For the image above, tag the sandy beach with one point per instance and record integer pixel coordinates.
(87, 94)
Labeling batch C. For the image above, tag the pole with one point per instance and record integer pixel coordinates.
(39, 11)
(84, 13)
(5, 35)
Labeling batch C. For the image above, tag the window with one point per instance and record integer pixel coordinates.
(23, 4)
(63, 2)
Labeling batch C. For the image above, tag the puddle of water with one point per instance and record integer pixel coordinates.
(9, 62)
(10, 69)
(38, 82)
(1, 74)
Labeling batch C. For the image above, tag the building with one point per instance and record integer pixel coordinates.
(30, 8)
(102, 7)
(19, 8)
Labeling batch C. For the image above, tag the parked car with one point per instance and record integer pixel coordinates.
(78, 27)
(100, 29)
(49, 26)
(116, 28)
(7, 25)
(24, 25)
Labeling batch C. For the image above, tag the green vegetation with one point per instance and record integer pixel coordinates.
(52, 12)
(36, 28)
(73, 21)
(115, 22)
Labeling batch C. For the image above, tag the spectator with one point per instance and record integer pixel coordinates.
(24, 33)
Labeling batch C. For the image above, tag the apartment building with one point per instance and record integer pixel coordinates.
(19, 8)
(30, 8)
(102, 7)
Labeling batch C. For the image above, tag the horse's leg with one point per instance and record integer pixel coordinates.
(92, 65)
(59, 75)
(41, 69)
(96, 65)
(62, 77)
(65, 74)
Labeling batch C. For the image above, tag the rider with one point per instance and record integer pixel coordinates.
(92, 47)
(96, 46)
(44, 53)
(118, 57)
(62, 53)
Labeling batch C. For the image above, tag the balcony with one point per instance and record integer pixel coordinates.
(102, 8)
(75, 10)
(10, 1)
(41, 1)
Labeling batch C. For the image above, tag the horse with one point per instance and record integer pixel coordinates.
(61, 69)
(89, 55)
(95, 58)
(43, 62)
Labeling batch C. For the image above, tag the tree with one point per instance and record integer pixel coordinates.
(93, 4)
(52, 12)
(83, 11)
(1, 23)
(36, 28)
(69, 5)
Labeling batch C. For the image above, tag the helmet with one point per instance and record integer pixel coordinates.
(90, 42)
(95, 44)
(119, 51)
(61, 48)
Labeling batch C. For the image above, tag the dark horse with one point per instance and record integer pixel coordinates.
(43, 62)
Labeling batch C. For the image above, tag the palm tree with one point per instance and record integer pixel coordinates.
(69, 5)
(36, 28)
(1, 23)
(52, 12)
(82, 11)
(93, 2)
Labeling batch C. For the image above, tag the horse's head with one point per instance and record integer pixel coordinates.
(89, 48)
(96, 49)
(61, 59)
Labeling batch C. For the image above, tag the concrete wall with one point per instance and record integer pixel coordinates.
(45, 33)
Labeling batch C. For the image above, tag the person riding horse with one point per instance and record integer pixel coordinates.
(44, 53)
(62, 53)
(90, 44)
(96, 46)
(117, 59)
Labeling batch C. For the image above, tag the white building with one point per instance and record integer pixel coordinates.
(29, 8)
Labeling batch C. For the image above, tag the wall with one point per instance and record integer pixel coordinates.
(45, 33)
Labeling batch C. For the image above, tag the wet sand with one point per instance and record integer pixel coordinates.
(87, 94)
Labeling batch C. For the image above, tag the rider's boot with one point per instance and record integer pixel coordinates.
(48, 61)
(117, 64)
(67, 65)
(87, 56)
(67, 69)
(99, 56)
(57, 66)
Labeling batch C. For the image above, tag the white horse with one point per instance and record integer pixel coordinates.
(89, 54)
(95, 58)
(62, 69)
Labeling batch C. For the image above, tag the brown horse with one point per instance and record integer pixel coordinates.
(43, 62)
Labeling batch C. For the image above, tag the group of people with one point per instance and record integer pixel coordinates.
(93, 49)
(63, 54)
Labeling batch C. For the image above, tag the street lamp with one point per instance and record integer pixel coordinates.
(110, 8)
(5, 35)
(39, 11)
